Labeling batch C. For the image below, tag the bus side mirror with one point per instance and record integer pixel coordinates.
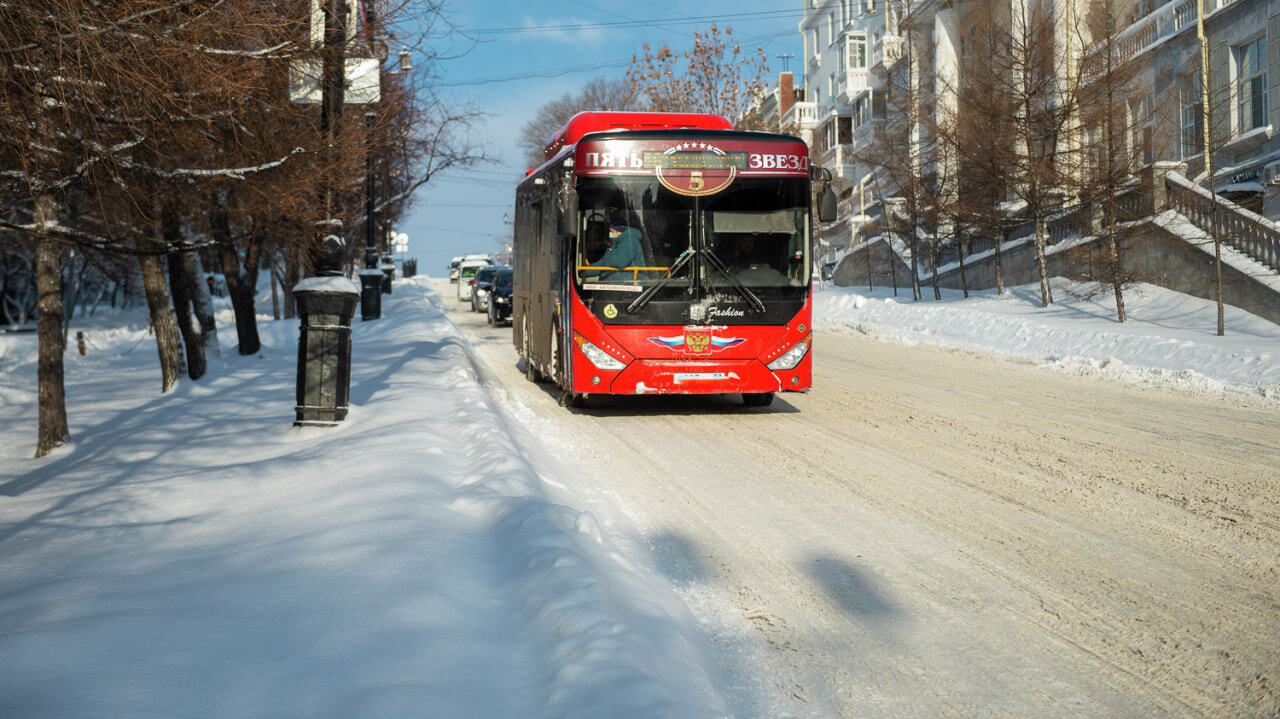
(827, 205)
(568, 223)
(827, 196)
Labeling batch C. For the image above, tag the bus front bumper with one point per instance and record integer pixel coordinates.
(649, 376)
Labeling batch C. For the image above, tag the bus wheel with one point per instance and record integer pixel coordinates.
(572, 399)
(554, 362)
(757, 399)
(530, 371)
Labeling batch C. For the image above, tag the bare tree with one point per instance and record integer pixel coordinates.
(717, 75)
(598, 94)
(105, 107)
(983, 130)
(1107, 164)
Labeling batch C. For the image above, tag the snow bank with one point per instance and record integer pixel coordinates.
(194, 554)
(1168, 338)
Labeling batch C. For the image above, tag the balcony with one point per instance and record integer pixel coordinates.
(803, 116)
(865, 133)
(1165, 22)
(852, 82)
(888, 50)
(841, 161)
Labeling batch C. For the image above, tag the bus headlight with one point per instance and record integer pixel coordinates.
(792, 357)
(597, 356)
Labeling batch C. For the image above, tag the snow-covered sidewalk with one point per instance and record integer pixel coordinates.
(1168, 338)
(194, 554)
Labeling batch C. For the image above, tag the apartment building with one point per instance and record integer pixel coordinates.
(858, 52)
(845, 47)
(1167, 101)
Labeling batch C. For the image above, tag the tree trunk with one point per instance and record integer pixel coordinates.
(937, 257)
(182, 290)
(292, 275)
(1042, 264)
(241, 280)
(1114, 246)
(72, 294)
(241, 301)
(999, 263)
(915, 264)
(893, 264)
(163, 322)
(52, 429)
(202, 305)
(275, 286)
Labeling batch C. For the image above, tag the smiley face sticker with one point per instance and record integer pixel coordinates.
(610, 311)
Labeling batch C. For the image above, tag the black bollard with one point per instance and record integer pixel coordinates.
(326, 304)
(388, 269)
(371, 281)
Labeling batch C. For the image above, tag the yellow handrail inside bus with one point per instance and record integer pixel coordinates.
(635, 271)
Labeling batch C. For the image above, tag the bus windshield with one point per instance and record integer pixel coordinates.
(635, 234)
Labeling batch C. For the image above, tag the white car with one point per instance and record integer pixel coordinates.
(467, 275)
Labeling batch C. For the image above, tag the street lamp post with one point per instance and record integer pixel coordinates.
(327, 301)
(371, 277)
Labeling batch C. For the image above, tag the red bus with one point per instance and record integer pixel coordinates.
(664, 253)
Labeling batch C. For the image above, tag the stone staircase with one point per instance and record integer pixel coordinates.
(1250, 233)
(1176, 250)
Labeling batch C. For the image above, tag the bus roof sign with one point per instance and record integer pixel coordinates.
(587, 122)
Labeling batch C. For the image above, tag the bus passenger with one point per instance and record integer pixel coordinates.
(624, 251)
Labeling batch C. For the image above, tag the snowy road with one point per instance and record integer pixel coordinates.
(935, 533)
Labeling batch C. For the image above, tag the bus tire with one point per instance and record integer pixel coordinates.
(572, 399)
(757, 399)
(530, 372)
(554, 362)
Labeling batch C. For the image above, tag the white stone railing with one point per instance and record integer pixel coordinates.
(1165, 21)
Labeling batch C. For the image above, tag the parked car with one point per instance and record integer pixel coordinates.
(483, 281)
(500, 297)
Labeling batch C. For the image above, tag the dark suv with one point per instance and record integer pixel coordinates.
(500, 297)
(480, 288)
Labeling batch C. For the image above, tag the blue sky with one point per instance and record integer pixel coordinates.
(514, 56)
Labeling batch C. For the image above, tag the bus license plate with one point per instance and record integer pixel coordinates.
(698, 376)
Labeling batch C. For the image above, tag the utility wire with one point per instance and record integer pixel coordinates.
(568, 69)
(657, 22)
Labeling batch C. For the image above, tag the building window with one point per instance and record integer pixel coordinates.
(831, 28)
(1251, 63)
(856, 52)
(1141, 113)
(861, 110)
(1192, 111)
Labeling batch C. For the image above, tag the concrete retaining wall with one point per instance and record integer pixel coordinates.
(1156, 256)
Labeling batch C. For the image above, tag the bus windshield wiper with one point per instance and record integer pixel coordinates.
(751, 297)
(648, 294)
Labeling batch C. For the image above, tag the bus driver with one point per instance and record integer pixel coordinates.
(624, 251)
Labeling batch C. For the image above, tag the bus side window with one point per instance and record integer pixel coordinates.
(597, 238)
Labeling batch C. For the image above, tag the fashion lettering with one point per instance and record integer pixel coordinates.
(726, 312)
